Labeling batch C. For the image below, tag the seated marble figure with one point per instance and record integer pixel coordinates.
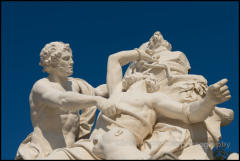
(159, 109)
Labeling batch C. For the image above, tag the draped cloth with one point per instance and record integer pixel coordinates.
(165, 139)
(87, 117)
(81, 150)
(192, 141)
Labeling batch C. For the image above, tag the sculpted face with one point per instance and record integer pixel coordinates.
(65, 64)
(155, 40)
(56, 59)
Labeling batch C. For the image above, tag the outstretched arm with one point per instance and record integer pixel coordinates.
(69, 101)
(191, 112)
(59, 99)
(216, 94)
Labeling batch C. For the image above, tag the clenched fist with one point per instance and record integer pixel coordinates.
(107, 107)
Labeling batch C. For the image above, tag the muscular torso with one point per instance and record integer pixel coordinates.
(53, 127)
(134, 113)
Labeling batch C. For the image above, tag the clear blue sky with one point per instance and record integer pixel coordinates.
(207, 32)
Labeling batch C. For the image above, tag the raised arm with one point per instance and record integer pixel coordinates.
(115, 63)
(102, 91)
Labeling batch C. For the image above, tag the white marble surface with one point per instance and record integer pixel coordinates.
(155, 110)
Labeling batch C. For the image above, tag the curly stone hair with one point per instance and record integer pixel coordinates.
(152, 83)
(51, 53)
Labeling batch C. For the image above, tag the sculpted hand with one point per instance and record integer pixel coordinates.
(107, 107)
(149, 51)
(144, 56)
(218, 93)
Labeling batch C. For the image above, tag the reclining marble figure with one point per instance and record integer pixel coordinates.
(161, 110)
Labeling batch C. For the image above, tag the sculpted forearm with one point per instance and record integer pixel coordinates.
(114, 74)
(69, 100)
(124, 57)
(199, 110)
(168, 107)
(216, 94)
(66, 100)
(189, 113)
(74, 101)
(114, 69)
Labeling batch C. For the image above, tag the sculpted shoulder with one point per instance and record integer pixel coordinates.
(182, 57)
(38, 85)
(178, 61)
